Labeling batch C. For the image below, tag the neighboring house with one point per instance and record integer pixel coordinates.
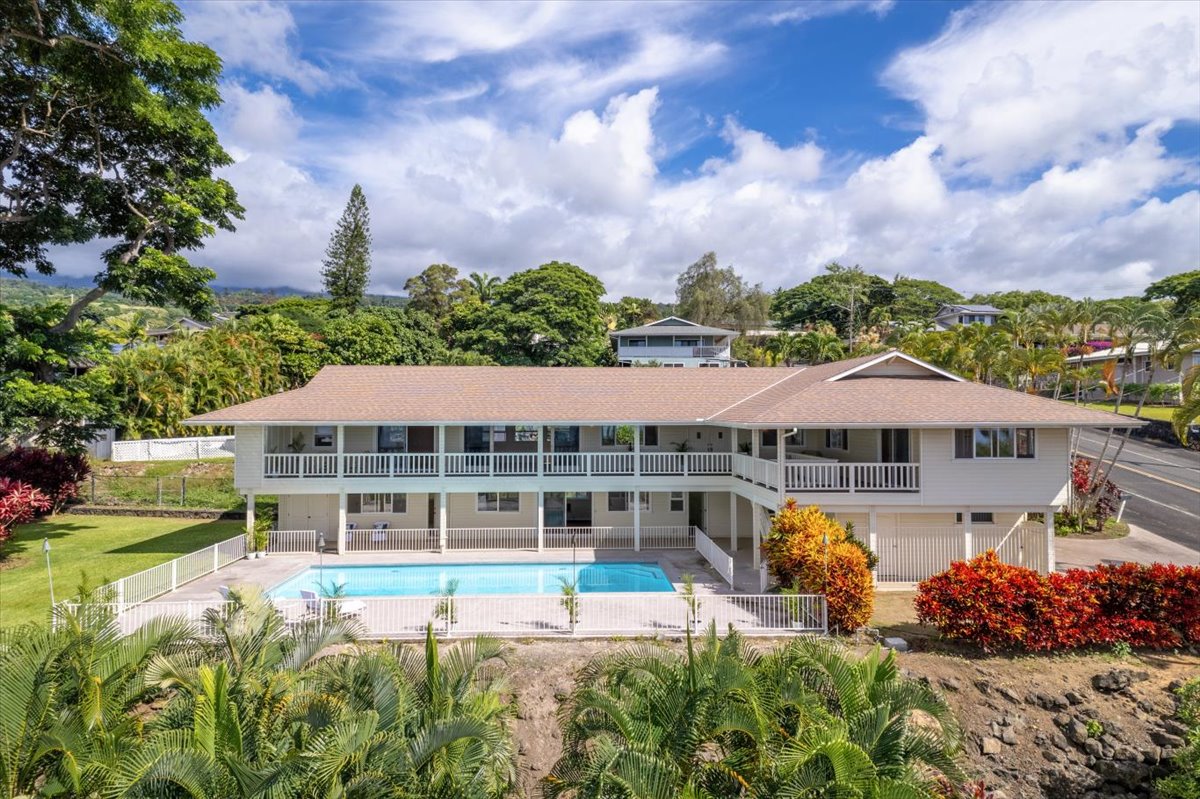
(1140, 369)
(675, 342)
(183, 324)
(950, 315)
(927, 466)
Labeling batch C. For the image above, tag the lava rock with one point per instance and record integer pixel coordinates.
(1077, 732)
(990, 746)
(1115, 680)
(1166, 739)
(950, 684)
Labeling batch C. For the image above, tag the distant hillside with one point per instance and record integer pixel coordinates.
(21, 292)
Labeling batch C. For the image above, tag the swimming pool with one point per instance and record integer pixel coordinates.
(478, 578)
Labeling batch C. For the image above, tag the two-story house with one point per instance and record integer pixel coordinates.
(928, 467)
(674, 342)
(950, 315)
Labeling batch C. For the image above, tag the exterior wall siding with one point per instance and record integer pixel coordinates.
(248, 458)
(1036, 482)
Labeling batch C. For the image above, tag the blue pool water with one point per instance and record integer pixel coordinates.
(478, 578)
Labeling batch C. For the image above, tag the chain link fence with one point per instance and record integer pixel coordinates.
(162, 492)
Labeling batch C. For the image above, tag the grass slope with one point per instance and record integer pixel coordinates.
(102, 547)
(1160, 412)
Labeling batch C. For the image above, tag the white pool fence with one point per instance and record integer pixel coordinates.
(166, 577)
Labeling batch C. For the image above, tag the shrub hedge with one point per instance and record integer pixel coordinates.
(998, 606)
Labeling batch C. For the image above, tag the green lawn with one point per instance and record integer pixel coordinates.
(1160, 412)
(103, 547)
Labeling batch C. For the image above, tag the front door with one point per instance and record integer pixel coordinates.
(894, 446)
(555, 513)
(696, 509)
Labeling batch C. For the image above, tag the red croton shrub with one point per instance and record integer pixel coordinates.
(56, 474)
(19, 503)
(1008, 607)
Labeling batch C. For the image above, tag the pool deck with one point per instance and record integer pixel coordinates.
(274, 569)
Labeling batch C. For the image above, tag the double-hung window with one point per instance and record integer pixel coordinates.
(621, 501)
(676, 502)
(994, 442)
(498, 502)
(608, 435)
(377, 503)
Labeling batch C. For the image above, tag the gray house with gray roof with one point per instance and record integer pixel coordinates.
(675, 342)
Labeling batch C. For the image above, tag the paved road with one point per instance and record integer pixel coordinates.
(1162, 484)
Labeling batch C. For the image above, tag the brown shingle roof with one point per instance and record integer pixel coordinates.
(752, 397)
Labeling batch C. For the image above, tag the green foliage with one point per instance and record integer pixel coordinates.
(159, 387)
(1183, 289)
(723, 719)
(838, 297)
(710, 295)
(631, 312)
(383, 336)
(1184, 783)
(919, 300)
(105, 120)
(309, 313)
(347, 265)
(263, 711)
(1019, 300)
(45, 397)
(1094, 728)
(301, 354)
(548, 316)
(437, 289)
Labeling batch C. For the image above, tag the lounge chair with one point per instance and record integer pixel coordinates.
(345, 607)
(377, 534)
(223, 590)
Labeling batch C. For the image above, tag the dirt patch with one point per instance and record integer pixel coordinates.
(1017, 710)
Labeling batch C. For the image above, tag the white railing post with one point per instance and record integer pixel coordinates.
(441, 453)
(541, 520)
(781, 459)
(443, 515)
(637, 521)
(216, 559)
(341, 449)
(637, 451)
(341, 523)
(968, 542)
(175, 573)
(1051, 565)
(541, 451)
(733, 521)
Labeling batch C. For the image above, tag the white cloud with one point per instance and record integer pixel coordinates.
(258, 36)
(1011, 87)
(256, 121)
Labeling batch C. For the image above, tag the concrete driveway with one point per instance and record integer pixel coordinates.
(1140, 546)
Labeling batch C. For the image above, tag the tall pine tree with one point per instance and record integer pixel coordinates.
(347, 264)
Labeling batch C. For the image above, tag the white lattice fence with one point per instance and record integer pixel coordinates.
(173, 449)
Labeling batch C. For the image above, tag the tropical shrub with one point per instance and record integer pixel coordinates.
(1184, 783)
(19, 503)
(266, 709)
(56, 474)
(999, 606)
(807, 550)
(1084, 485)
(723, 719)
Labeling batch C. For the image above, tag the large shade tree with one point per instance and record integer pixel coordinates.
(709, 294)
(548, 316)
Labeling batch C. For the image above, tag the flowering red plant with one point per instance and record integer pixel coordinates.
(19, 503)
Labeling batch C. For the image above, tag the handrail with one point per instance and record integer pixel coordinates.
(720, 560)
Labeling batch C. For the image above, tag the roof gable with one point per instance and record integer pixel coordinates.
(673, 321)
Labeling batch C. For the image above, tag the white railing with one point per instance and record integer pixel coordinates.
(289, 541)
(1024, 544)
(756, 470)
(166, 577)
(300, 465)
(718, 558)
(392, 540)
(680, 351)
(173, 449)
(503, 464)
(678, 536)
(491, 538)
(389, 464)
(852, 477)
(596, 614)
(588, 537)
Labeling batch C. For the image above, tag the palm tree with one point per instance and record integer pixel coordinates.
(1189, 409)
(484, 285)
(722, 720)
(819, 346)
(1036, 363)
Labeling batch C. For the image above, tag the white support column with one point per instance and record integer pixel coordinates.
(756, 518)
(873, 537)
(541, 469)
(755, 442)
(733, 522)
(1051, 565)
(637, 521)
(637, 451)
(541, 520)
(968, 542)
(443, 516)
(441, 445)
(341, 523)
(341, 449)
(250, 513)
(781, 458)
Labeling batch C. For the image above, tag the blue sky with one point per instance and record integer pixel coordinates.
(990, 146)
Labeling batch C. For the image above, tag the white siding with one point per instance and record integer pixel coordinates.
(659, 514)
(248, 458)
(1005, 482)
(463, 513)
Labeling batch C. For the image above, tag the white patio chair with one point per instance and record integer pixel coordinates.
(350, 528)
(223, 590)
(345, 607)
(378, 535)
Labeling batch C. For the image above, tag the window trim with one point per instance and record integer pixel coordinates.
(608, 435)
(843, 434)
(681, 499)
(991, 517)
(644, 499)
(327, 432)
(384, 502)
(497, 494)
(1029, 434)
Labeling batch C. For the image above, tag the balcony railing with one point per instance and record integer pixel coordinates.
(673, 352)
(807, 477)
(497, 464)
